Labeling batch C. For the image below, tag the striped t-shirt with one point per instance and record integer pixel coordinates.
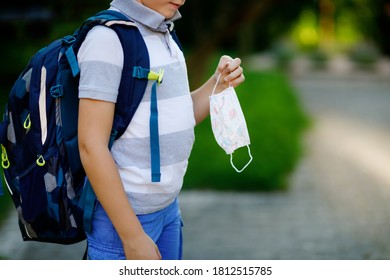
(101, 61)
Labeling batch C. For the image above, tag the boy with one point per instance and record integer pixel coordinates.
(134, 217)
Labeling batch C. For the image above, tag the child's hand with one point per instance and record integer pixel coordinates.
(231, 72)
(141, 247)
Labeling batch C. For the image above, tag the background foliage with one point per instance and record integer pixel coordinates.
(207, 26)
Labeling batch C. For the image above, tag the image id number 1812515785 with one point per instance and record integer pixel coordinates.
(242, 270)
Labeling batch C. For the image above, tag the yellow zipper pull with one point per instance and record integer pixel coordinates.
(4, 158)
(40, 161)
(27, 122)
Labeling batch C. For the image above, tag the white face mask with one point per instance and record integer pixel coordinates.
(228, 123)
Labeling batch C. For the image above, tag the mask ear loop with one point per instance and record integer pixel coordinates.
(215, 86)
(246, 165)
(213, 94)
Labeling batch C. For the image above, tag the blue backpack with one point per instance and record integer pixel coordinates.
(38, 136)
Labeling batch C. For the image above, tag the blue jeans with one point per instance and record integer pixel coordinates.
(163, 227)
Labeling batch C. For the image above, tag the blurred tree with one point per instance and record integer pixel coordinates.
(246, 26)
(327, 23)
(370, 18)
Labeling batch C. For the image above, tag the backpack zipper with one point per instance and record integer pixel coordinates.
(41, 161)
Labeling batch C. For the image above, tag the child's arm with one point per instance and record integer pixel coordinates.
(231, 74)
(95, 123)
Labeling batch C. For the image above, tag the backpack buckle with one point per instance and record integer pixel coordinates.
(154, 76)
(140, 73)
(56, 91)
(68, 40)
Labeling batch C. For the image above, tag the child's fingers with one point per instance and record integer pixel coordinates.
(224, 62)
(232, 65)
(233, 74)
(237, 80)
(231, 71)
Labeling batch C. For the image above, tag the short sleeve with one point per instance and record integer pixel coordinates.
(101, 62)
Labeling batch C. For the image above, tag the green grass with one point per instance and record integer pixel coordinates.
(276, 123)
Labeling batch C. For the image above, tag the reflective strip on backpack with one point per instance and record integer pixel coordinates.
(123, 22)
(42, 106)
(8, 187)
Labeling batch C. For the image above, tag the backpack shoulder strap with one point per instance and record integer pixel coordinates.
(135, 51)
(131, 89)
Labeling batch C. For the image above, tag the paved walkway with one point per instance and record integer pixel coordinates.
(338, 205)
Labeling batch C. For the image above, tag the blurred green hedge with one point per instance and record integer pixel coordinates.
(276, 123)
